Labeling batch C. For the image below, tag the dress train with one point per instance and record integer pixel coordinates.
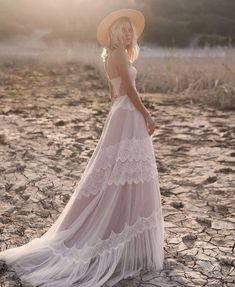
(112, 227)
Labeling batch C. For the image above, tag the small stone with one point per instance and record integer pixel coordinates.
(227, 260)
(65, 198)
(20, 167)
(60, 123)
(43, 213)
(171, 263)
(3, 139)
(3, 267)
(20, 188)
(226, 170)
(204, 221)
(45, 204)
(177, 204)
(223, 209)
(189, 239)
(25, 196)
(210, 179)
(74, 103)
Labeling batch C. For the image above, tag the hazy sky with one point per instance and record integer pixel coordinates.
(60, 17)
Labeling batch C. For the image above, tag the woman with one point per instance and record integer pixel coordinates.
(122, 28)
(112, 226)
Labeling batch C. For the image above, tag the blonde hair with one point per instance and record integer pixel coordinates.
(114, 40)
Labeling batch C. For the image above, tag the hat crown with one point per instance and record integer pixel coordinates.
(136, 17)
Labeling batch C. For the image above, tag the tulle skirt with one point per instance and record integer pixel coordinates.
(112, 227)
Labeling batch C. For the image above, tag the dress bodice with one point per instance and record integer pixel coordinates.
(116, 82)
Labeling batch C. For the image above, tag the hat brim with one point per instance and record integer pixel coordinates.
(135, 16)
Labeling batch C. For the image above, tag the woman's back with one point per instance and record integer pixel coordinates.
(114, 76)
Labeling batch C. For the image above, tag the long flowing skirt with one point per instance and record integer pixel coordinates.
(112, 227)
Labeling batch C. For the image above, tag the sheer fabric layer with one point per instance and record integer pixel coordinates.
(112, 226)
(127, 236)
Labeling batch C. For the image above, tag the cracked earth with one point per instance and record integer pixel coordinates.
(51, 118)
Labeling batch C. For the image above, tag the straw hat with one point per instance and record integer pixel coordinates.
(135, 16)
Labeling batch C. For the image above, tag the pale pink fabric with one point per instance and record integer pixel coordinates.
(112, 227)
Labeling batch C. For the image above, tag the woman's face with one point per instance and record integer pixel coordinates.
(127, 34)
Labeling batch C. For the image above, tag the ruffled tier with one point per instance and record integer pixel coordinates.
(112, 226)
(44, 264)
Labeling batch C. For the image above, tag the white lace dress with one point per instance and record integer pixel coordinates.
(112, 227)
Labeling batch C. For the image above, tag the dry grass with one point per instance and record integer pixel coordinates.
(204, 79)
(210, 80)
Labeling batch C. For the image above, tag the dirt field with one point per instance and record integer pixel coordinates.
(51, 117)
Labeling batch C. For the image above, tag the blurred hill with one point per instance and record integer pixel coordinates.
(178, 23)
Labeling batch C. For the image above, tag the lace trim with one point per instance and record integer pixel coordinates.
(121, 173)
(129, 161)
(129, 149)
(115, 239)
(132, 149)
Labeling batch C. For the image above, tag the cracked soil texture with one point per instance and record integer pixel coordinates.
(51, 118)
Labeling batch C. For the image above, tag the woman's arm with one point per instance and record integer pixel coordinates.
(121, 62)
(112, 95)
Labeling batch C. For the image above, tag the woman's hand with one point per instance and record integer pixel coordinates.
(113, 97)
(150, 124)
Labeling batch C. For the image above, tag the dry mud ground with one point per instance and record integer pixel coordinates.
(51, 117)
